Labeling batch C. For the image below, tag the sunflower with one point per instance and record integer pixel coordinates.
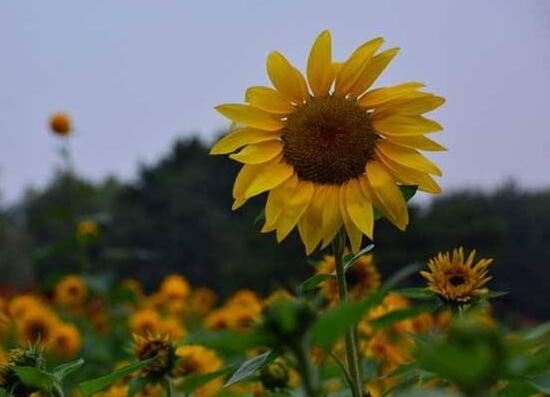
(22, 304)
(71, 291)
(87, 228)
(328, 152)
(362, 278)
(175, 288)
(145, 322)
(198, 360)
(37, 327)
(60, 124)
(65, 340)
(157, 346)
(456, 278)
(202, 300)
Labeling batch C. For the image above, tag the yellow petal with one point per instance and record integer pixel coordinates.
(268, 99)
(355, 236)
(336, 67)
(409, 176)
(310, 225)
(319, 65)
(400, 125)
(332, 219)
(420, 103)
(386, 195)
(286, 78)
(295, 206)
(374, 69)
(359, 208)
(241, 137)
(254, 179)
(417, 142)
(355, 65)
(407, 157)
(258, 153)
(276, 200)
(250, 116)
(385, 94)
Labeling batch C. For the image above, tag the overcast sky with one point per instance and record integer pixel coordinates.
(135, 75)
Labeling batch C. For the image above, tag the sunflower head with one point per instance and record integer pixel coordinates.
(457, 278)
(71, 291)
(275, 375)
(362, 278)
(145, 321)
(157, 346)
(37, 327)
(328, 149)
(202, 300)
(66, 340)
(175, 288)
(60, 124)
(31, 356)
(87, 228)
(198, 360)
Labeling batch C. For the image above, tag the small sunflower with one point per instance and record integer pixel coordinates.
(328, 152)
(22, 304)
(37, 327)
(71, 291)
(456, 278)
(175, 288)
(87, 228)
(156, 346)
(202, 300)
(198, 360)
(66, 340)
(60, 124)
(362, 278)
(146, 321)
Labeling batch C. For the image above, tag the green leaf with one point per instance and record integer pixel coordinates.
(348, 261)
(248, 368)
(408, 192)
(416, 392)
(93, 386)
(194, 381)
(333, 323)
(260, 217)
(34, 377)
(494, 294)
(136, 385)
(518, 388)
(541, 382)
(539, 332)
(399, 315)
(311, 283)
(62, 371)
(4, 393)
(230, 340)
(419, 293)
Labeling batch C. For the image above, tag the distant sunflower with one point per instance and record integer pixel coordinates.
(362, 278)
(175, 288)
(157, 346)
(60, 124)
(329, 152)
(65, 340)
(145, 321)
(198, 360)
(456, 278)
(71, 290)
(37, 327)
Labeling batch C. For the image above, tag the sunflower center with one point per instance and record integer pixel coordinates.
(329, 140)
(456, 280)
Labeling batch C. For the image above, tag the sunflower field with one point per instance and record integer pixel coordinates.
(332, 156)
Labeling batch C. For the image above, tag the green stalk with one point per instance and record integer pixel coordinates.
(352, 356)
(310, 376)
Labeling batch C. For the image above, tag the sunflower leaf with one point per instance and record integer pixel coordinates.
(350, 259)
(399, 315)
(193, 382)
(312, 283)
(62, 371)
(249, 367)
(34, 377)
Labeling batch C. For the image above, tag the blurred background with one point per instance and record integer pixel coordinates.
(140, 81)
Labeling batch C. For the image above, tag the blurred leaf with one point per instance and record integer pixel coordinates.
(494, 294)
(248, 368)
(136, 385)
(420, 293)
(311, 283)
(194, 381)
(62, 371)
(34, 377)
(518, 388)
(417, 392)
(93, 386)
(539, 332)
(399, 315)
(541, 382)
(349, 260)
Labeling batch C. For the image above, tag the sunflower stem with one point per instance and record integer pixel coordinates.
(352, 356)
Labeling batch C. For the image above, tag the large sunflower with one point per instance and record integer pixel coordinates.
(329, 151)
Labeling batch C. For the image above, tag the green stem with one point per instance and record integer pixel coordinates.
(352, 357)
(167, 387)
(310, 376)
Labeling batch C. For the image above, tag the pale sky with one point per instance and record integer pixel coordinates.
(136, 74)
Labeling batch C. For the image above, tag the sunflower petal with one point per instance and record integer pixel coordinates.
(386, 195)
(359, 208)
(242, 137)
(385, 94)
(295, 206)
(421, 102)
(410, 176)
(286, 78)
(355, 236)
(407, 157)
(258, 153)
(404, 125)
(332, 218)
(268, 99)
(250, 116)
(310, 225)
(254, 179)
(374, 69)
(320, 73)
(355, 65)
(419, 142)
(276, 200)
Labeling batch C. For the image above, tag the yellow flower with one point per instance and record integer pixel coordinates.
(218, 319)
(175, 287)
(22, 304)
(456, 278)
(65, 340)
(390, 355)
(37, 326)
(172, 327)
(71, 291)
(60, 124)
(87, 228)
(202, 300)
(155, 346)
(198, 360)
(362, 278)
(246, 299)
(278, 295)
(145, 322)
(329, 152)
